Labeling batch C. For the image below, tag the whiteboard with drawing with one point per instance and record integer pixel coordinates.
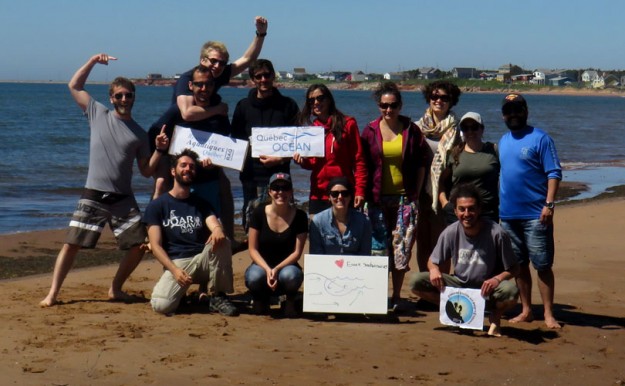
(346, 284)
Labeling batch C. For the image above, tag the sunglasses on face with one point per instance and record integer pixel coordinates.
(281, 188)
(337, 193)
(120, 95)
(385, 106)
(510, 110)
(465, 128)
(215, 62)
(206, 84)
(442, 98)
(318, 98)
(266, 75)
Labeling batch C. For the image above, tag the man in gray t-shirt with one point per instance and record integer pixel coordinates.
(116, 140)
(481, 254)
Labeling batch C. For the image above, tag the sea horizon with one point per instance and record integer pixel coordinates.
(47, 132)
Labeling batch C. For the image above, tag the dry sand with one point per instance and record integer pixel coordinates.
(89, 341)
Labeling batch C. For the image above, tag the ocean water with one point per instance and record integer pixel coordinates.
(44, 142)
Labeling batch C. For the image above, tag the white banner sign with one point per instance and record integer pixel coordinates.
(462, 307)
(223, 151)
(345, 284)
(308, 141)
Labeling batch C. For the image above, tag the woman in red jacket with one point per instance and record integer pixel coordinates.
(396, 155)
(343, 150)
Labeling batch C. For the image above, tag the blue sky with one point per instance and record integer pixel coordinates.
(48, 40)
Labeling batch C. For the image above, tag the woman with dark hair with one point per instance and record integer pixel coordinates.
(396, 155)
(343, 151)
(439, 126)
(340, 229)
(277, 236)
(474, 162)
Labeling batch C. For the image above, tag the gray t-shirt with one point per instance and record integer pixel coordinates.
(475, 259)
(113, 147)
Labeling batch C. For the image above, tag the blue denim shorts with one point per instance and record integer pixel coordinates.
(531, 241)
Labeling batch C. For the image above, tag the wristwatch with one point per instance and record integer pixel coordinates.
(550, 204)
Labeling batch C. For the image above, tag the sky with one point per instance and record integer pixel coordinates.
(48, 40)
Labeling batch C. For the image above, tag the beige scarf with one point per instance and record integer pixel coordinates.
(448, 133)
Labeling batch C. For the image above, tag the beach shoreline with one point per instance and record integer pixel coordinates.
(34, 252)
(369, 86)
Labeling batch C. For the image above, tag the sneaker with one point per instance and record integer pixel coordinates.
(290, 309)
(260, 307)
(221, 304)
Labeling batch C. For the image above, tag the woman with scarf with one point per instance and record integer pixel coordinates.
(396, 155)
(439, 126)
(343, 151)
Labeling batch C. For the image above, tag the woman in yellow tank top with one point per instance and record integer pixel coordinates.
(396, 155)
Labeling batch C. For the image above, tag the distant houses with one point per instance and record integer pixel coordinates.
(464, 72)
(506, 73)
(394, 76)
(429, 73)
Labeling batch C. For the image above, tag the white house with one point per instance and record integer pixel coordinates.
(590, 76)
(598, 83)
(330, 76)
(539, 77)
(393, 76)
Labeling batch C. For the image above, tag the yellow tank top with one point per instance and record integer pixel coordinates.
(392, 179)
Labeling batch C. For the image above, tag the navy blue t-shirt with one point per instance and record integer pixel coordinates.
(182, 222)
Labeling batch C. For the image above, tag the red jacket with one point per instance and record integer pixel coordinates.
(342, 159)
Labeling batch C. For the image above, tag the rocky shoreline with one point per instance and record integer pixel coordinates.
(368, 86)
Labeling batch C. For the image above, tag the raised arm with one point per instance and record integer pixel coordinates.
(192, 112)
(77, 83)
(252, 52)
(147, 167)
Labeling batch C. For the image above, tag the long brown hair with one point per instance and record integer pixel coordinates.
(337, 121)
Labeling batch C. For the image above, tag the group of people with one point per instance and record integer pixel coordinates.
(433, 182)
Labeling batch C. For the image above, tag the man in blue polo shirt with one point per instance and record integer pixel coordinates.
(530, 177)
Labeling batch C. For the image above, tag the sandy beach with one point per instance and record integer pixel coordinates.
(87, 340)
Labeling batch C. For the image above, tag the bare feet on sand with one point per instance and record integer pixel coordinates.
(47, 302)
(494, 330)
(522, 318)
(552, 323)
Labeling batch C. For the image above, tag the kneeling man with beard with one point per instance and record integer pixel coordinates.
(481, 254)
(189, 241)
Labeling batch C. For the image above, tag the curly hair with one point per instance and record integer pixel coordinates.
(450, 88)
(466, 191)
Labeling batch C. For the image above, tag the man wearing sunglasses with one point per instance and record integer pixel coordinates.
(264, 106)
(116, 141)
(529, 181)
(214, 55)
